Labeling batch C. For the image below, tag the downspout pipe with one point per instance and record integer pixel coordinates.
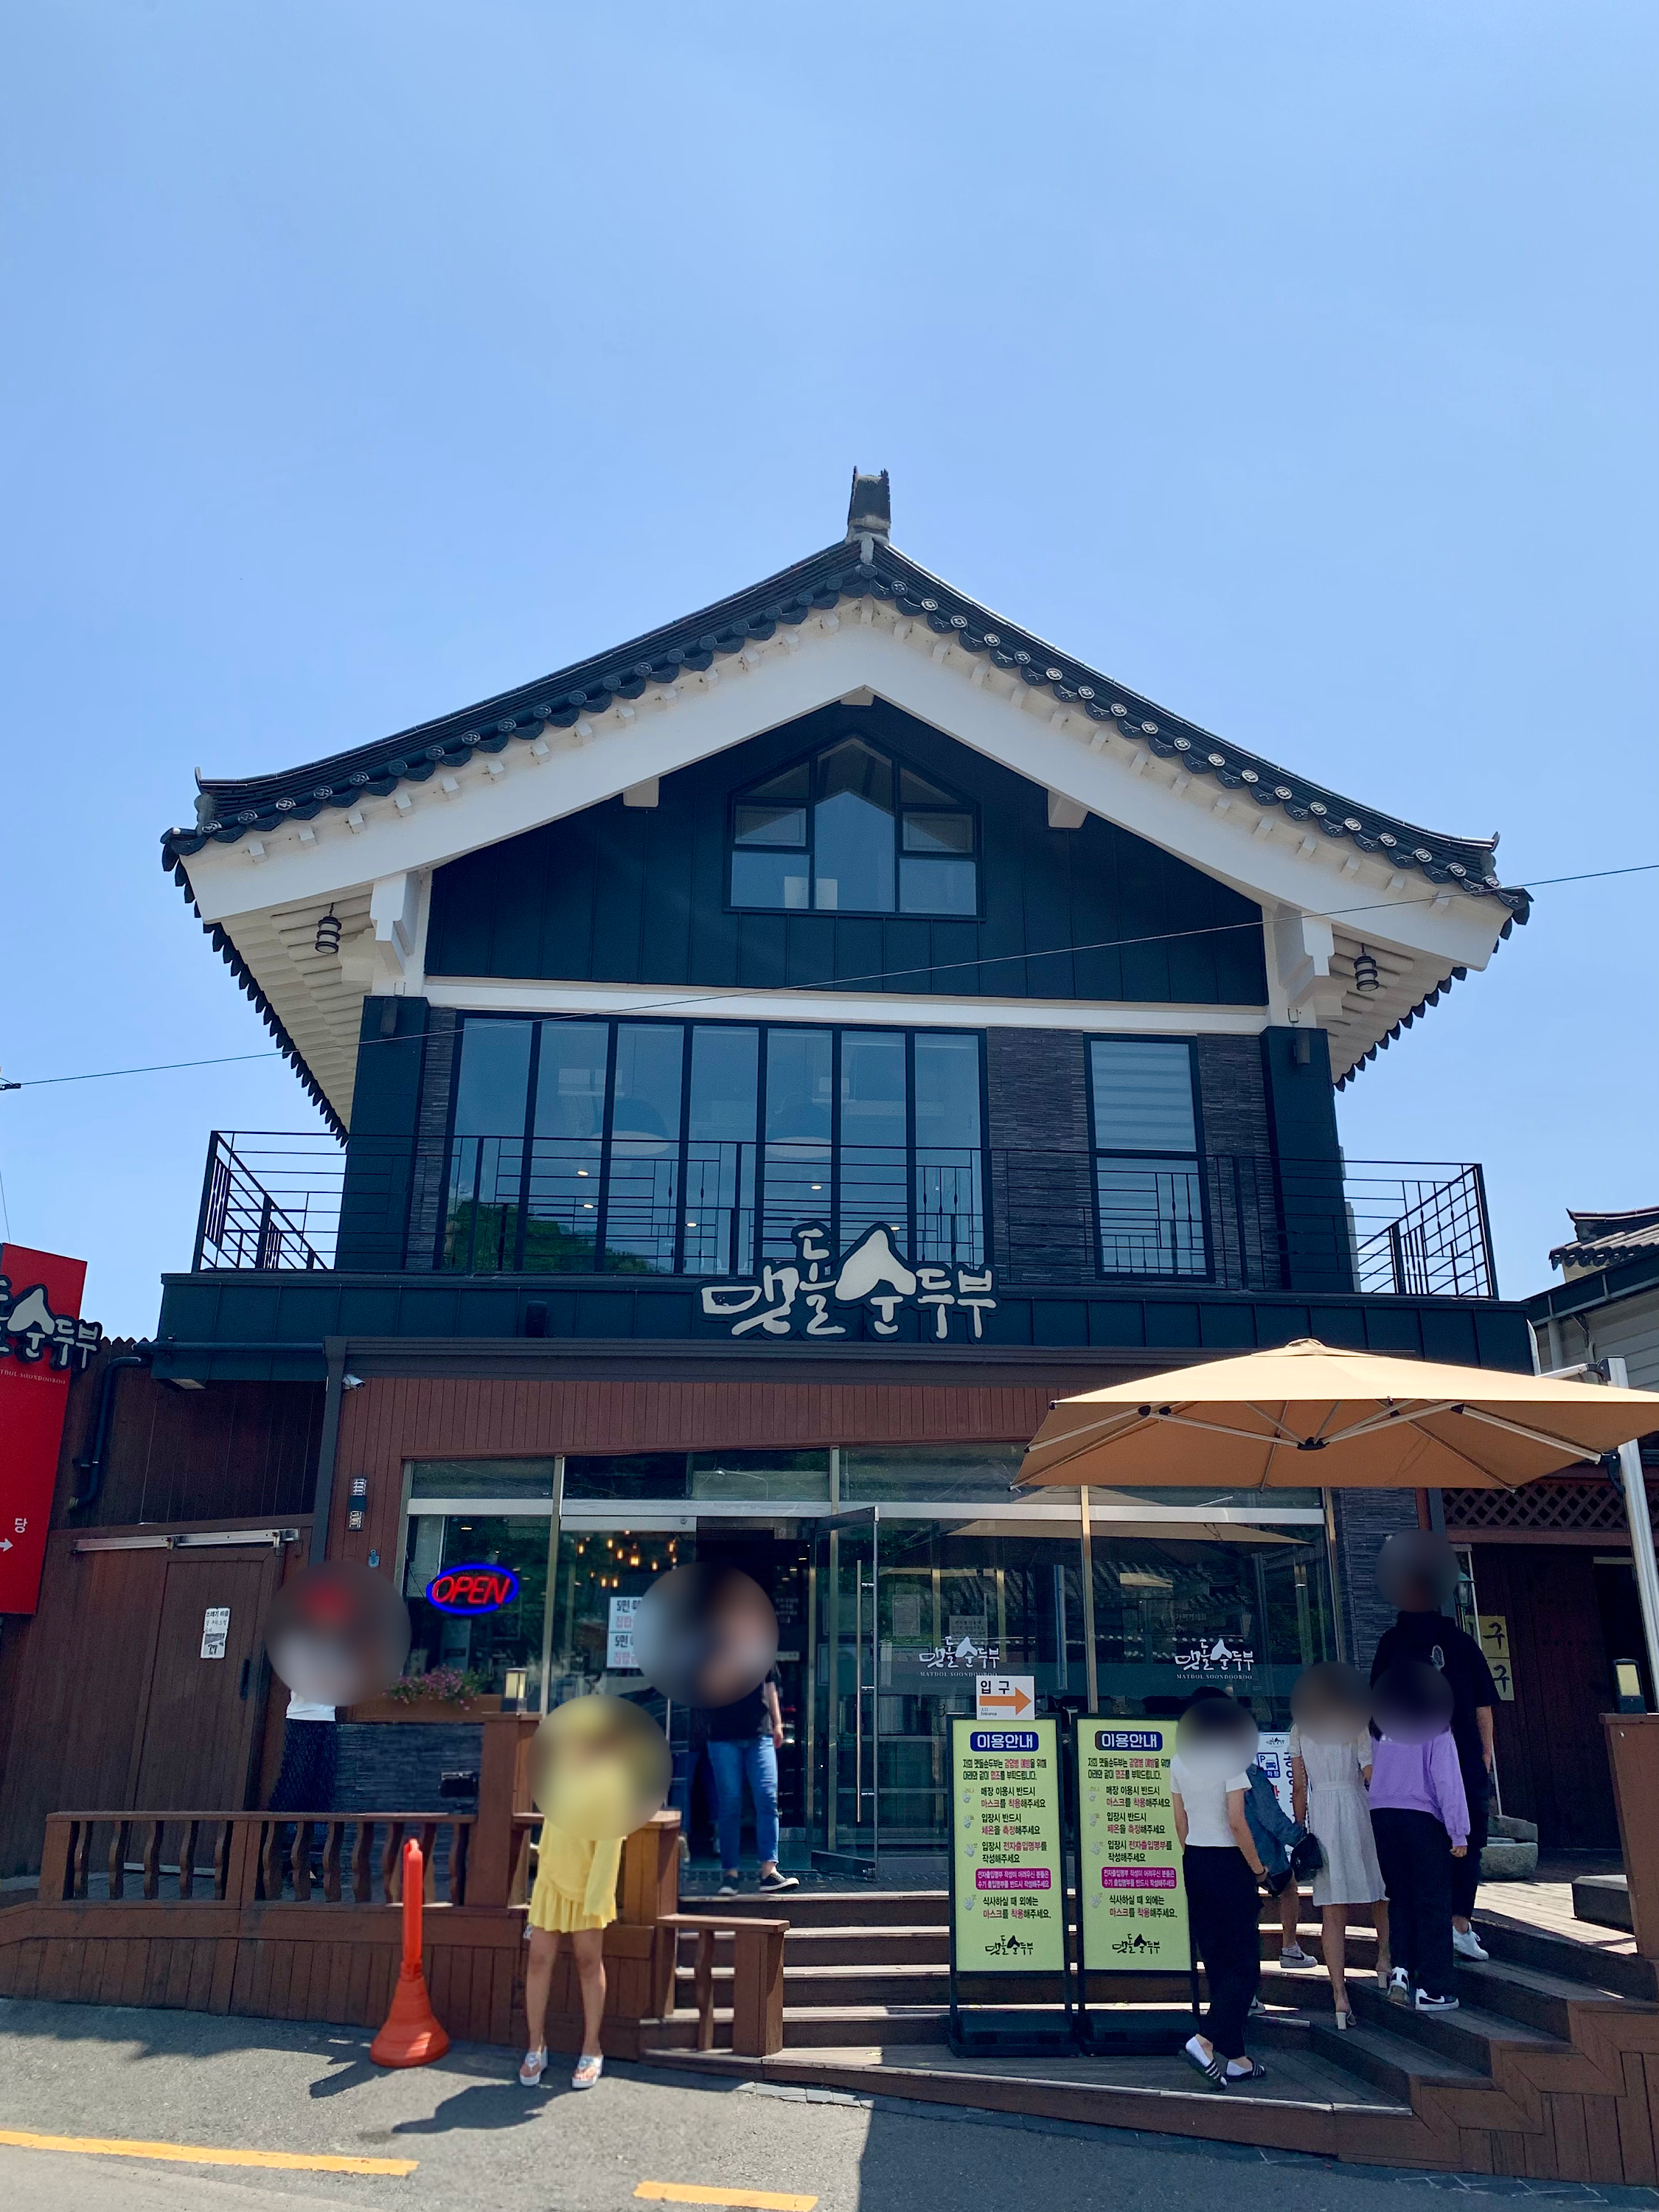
(90, 1465)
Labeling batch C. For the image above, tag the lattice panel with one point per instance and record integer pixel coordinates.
(1591, 1508)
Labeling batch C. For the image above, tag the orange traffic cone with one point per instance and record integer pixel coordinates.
(412, 2035)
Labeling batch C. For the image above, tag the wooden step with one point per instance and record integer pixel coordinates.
(834, 1908)
(1536, 2000)
(810, 1986)
(1390, 2063)
(1465, 2037)
(1597, 1966)
(866, 1946)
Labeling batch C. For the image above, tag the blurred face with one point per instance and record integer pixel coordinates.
(1417, 1571)
(1413, 1702)
(337, 1634)
(705, 1636)
(599, 1768)
(1216, 1737)
(1331, 1702)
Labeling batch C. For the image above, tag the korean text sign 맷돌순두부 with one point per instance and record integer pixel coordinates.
(1005, 1835)
(1134, 1906)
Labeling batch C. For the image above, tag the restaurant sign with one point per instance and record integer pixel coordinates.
(809, 1296)
(471, 1590)
(43, 1340)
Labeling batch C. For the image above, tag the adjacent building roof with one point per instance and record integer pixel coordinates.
(1603, 1240)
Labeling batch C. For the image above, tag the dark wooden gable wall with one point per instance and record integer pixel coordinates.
(625, 895)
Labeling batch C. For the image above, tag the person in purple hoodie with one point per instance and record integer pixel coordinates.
(1420, 1818)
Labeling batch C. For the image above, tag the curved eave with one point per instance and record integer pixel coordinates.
(233, 809)
(267, 1013)
(1459, 975)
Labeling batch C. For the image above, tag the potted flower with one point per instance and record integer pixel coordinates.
(438, 1693)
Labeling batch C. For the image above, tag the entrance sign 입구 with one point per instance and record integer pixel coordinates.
(1004, 1697)
(1008, 1891)
(1134, 1905)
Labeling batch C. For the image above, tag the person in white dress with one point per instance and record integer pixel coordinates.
(1328, 1789)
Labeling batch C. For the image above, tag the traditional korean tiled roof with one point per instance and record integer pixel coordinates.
(1603, 1240)
(864, 566)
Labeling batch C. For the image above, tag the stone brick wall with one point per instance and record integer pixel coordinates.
(395, 1766)
(431, 1153)
(1042, 1208)
(1363, 1519)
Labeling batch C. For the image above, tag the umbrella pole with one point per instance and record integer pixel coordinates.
(1641, 1533)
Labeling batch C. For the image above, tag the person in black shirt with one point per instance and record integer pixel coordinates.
(1422, 1631)
(744, 1738)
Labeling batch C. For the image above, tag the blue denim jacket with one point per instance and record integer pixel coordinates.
(1271, 1827)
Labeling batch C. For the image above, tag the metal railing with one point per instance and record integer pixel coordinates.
(269, 1200)
(1039, 1218)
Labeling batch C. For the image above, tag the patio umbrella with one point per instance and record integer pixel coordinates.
(1309, 1416)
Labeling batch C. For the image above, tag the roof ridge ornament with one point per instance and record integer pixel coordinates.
(870, 508)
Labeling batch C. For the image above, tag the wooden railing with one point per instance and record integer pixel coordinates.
(251, 1858)
(757, 1978)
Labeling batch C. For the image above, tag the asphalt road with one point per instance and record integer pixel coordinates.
(480, 2140)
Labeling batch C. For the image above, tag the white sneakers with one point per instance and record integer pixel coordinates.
(1426, 2003)
(1399, 1988)
(1296, 1960)
(1467, 1944)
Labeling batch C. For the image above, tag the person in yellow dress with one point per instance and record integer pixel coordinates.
(575, 1895)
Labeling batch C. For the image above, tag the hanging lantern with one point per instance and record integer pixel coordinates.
(1365, 974)
(328, 933)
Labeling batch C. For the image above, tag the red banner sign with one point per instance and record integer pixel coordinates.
(43, 1341)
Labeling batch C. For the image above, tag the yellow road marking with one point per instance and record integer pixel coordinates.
(289, 2161)
(751, 2200)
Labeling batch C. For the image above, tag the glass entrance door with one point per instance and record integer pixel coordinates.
(845, 1560)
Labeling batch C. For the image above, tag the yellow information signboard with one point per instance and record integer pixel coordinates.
(1007, 1890)
(1134, 1904)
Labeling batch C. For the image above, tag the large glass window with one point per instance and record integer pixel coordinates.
(1149, 1189)
(699, 1148)
(851, 831)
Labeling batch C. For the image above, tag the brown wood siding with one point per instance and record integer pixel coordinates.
(234, 1449)
(399, 1417)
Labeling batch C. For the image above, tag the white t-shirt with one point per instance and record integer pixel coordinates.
(1204, 1796)
(306, 1709)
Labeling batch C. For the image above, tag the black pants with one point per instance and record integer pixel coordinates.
(1465, 1872)
(305, 1783)
(1415, 1854)
(1222, 1903)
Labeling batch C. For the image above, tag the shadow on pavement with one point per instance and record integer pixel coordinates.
(489, 2104)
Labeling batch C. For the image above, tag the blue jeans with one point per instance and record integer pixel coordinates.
(758, 1760)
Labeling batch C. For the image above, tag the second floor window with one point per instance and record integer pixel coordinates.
(697, 1148)
(1149, 1187)
(853, 831)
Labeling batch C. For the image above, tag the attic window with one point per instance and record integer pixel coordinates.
(853, 831)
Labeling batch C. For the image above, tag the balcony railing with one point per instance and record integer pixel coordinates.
(269, 1200)
(1236, 1221)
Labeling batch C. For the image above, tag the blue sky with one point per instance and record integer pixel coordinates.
(1294, 362)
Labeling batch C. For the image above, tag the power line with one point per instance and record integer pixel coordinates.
(728, 991)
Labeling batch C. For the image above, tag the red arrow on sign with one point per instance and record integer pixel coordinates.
(1018, 1700)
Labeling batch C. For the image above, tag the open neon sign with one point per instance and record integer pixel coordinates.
(472, 1589)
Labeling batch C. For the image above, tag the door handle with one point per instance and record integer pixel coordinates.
(246, 1675)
